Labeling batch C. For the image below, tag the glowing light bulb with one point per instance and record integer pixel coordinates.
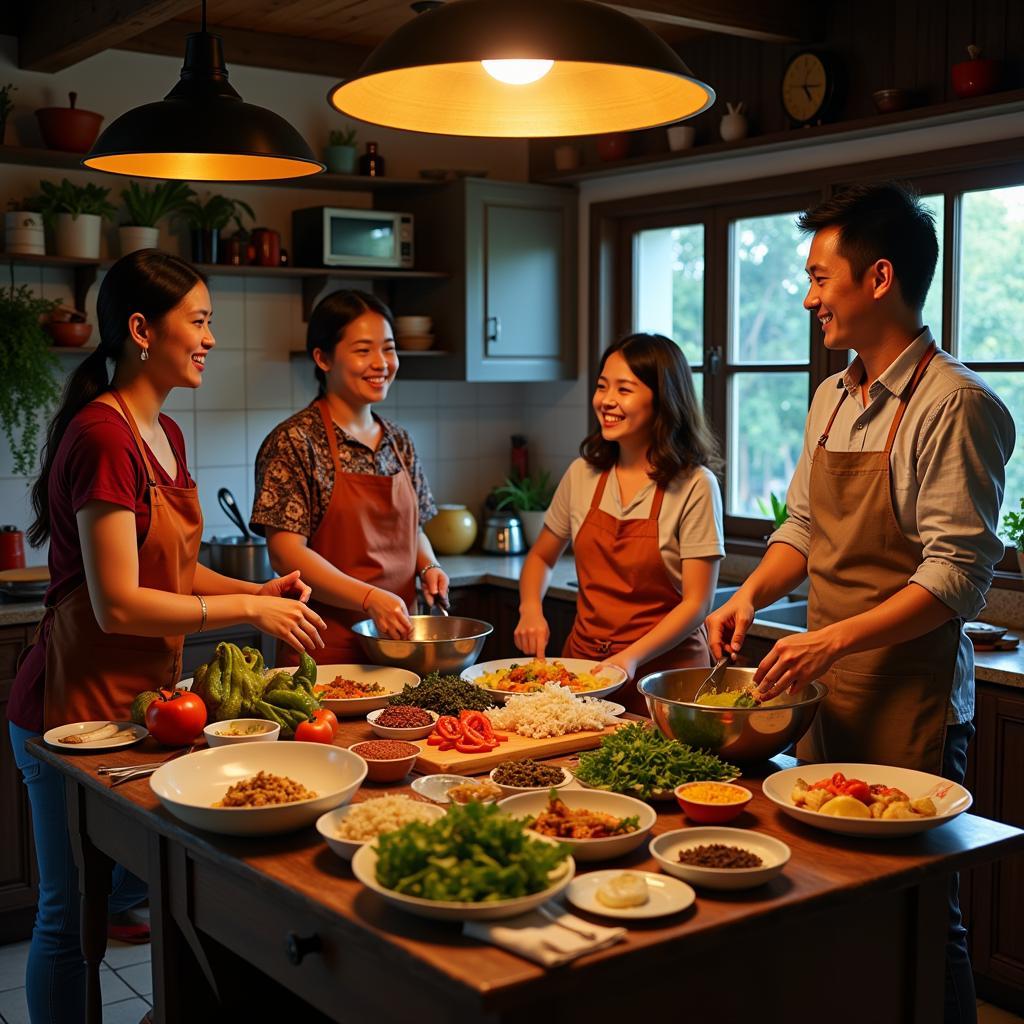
(517, 72)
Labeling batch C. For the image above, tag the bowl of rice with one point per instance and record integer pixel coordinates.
(553, 711)
(347, 828)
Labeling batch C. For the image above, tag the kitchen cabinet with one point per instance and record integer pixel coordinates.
(508, 311)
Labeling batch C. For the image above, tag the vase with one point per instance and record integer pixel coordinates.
(205, 244)
(24, 234)
(78, 237)
(452, 531)
(681, 136)
(532, 522)
(340, 159)
(733, 127)
(133, 238)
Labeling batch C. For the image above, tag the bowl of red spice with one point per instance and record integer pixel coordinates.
(402, 722)
(720, 858)
(386, 760)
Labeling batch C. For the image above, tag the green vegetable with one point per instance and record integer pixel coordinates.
(639, 761)
(139, 705)
(474, 854)
(447, 695)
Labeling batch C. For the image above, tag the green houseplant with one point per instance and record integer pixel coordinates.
(777, 513)
(340, 153)
(145, 208)
(530, 497)
(76, 213)
(207, 219)
(1013, 531)
(28, 384)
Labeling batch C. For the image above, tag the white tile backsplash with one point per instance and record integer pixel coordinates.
(220, 439)
(238, 480)
(229, 303)
(258, 424)
(224, 381)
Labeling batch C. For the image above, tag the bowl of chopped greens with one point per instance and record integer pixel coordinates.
(475, 863)
(639, 761)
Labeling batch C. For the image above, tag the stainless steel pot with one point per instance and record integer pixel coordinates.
(503, 534)
(240, 558)
(438, 644)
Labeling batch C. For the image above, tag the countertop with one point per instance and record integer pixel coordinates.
(1003, 667)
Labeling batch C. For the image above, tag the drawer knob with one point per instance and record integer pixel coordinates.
(297, 946)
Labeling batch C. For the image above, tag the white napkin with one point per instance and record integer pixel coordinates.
(534, 936)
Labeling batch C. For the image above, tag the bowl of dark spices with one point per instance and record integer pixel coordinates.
(720, 858)
(402, 722)
(529, 776)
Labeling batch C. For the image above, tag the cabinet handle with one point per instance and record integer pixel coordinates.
(297, 946)
(493, 329)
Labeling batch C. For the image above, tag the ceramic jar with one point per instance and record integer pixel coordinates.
(681, 136)
(733, 125)
(452, 531)
(24, 233)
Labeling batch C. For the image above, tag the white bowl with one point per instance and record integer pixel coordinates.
(215, 737)
(393, 680)
(328, 824)
(531, 804)
(774, 854)
(189, 786)
(567, 777)
(435, 787)
(390, 732)
(364, 867)
(616, 676)
(950, 799)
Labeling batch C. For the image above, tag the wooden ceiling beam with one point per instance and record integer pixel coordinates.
(257, 49)
(777, 21)
(54, 34)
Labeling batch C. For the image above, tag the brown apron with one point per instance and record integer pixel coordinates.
(369, 531)
(625, 591)
(888, 705)
(92, 675)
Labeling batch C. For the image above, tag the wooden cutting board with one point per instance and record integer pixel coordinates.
(516, 748)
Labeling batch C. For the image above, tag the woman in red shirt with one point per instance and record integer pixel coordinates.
(121, 513)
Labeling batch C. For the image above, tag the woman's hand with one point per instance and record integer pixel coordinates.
(435, 585)
(286, 586)
(727, 626)
(532, 634)
(389, 614)
(621, 660)
(291, 621)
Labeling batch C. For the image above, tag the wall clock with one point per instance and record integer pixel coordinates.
(808, 87)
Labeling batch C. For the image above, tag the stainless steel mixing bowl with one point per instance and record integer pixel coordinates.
(438, 644)
(740, 735)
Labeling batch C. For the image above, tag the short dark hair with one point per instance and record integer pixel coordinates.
(680, 439)
(332, 315)
(877, 222)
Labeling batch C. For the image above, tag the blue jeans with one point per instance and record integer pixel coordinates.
(960, 1000)
(55, 978)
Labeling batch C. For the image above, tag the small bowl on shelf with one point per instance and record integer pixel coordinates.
(712, 803)
(68, 333)
(386, 769)
(414, 342)
(888, 101)
(395, 732)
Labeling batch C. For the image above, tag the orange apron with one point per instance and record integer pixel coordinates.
(369, 531)
(92, 675)
(888, 705)
(625, 591)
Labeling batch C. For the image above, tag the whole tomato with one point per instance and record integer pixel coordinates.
(314, 731)
(176, 717)
(327, 715)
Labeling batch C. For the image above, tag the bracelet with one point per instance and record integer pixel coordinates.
(431, 565)
(202, 604)
(366, 597)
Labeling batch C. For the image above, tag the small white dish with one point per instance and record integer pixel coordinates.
(611, 707)
(664, 895)
(506, 791)
(328, 824)
(53, 736)
(216, 732)
(435, 787)
(389, 732)
(774, 854)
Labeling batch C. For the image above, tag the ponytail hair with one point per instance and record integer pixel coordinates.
(147, 281)
(331, 317)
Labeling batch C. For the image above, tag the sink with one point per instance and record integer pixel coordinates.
(785, 613)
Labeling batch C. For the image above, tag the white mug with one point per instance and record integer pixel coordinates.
(681, 136)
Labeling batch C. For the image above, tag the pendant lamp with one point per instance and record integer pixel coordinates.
(522, 69)
(202, 130)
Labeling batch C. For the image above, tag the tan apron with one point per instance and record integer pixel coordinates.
(92, 675)
(369, 531)
(888, 705)
(625, 591)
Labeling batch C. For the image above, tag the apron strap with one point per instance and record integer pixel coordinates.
(408, 473)
(659, 497)
(823, 440)
(928, 356)
(595, 502)
(332, 438)
(150, 475)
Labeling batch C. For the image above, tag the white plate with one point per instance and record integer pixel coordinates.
(189, 786)
(620, 806)
(774, 854)
(328, 824)
(665, 895)
(950, 799)
(364, 867)
(435, 787)
(393, 680)
(616, 676)
(609, 706)
(52, 737)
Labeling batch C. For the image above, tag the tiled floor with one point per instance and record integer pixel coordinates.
(128, 987)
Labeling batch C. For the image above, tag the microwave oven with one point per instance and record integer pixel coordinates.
(332, 236)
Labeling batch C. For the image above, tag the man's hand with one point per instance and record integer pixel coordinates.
(795, 661)
(727, 626)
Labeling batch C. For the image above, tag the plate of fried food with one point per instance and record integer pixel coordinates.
(874, 800)
(350, 690)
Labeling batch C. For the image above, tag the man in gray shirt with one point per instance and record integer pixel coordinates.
(893, 508)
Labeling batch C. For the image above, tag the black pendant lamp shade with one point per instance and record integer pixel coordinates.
(606, 72)
(203, 131)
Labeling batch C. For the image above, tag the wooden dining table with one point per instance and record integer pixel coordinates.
(250, 928)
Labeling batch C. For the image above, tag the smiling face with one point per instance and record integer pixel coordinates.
(624, 405)
(364, 361)
(178, 342)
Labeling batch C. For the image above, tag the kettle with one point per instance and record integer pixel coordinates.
(503, 534)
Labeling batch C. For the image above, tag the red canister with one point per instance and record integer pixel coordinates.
(12, 548)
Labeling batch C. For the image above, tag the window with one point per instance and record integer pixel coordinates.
(932, 314)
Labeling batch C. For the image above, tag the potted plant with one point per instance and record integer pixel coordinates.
(206, 220)
(6, 106)
(28, 383)
(69, 128)
(340, 154)
(530, 497)
(24, 231)
(1013, 530)
(146, 207)
(76, 212)
(777, 513)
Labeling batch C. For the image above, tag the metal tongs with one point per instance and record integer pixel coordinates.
(748, 699)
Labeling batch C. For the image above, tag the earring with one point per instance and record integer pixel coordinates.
(144, 354)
